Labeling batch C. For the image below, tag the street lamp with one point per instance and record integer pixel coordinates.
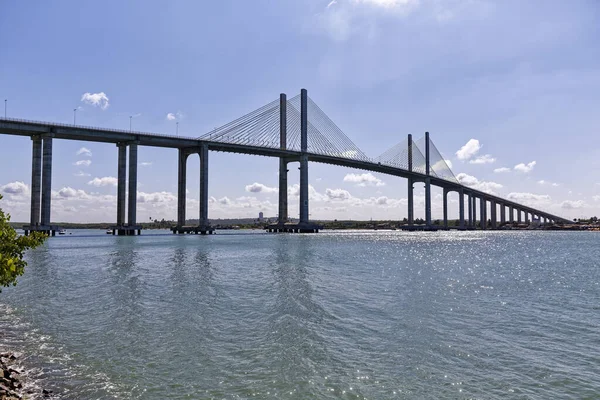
(74, 116)
(177, 128)
(130, 117)
(5, 101)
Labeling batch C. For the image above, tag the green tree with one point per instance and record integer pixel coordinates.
(12, 247)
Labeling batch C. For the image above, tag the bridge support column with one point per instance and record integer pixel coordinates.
(132, 203)
(474, 205)
(519, 215)
(502, 213)
(483, 217)
(121, 184)
(493, 216)
(411, 204)
(445, 205)
(526, 217)
(36, 180)
(304, 156)
(283, 199)
(427, 183)
(204, 225)
(46, 180)
(511, 214)
(181, 187)
(470, 209)
(461, 209)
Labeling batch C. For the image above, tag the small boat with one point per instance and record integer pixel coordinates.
(109, 231)
(62, 232)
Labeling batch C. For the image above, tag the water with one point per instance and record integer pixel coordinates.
(348, 315)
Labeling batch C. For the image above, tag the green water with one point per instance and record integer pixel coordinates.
(347, 315)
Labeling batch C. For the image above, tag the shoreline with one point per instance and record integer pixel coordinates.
(13, 380)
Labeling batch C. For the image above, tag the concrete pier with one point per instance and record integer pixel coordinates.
(493, 216)
(304, 157)
(283, 170)
(411, 184)
(483, 217)
(204, 224)
(519, 215)
(427, 183)
(445, 207)
(121, 183)
(461, 209)
(46, 180)
(470, 210)
(511, 214)
(36, 180)
(181, 186)
(502, 213)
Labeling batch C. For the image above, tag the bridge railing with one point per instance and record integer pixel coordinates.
(94, 128)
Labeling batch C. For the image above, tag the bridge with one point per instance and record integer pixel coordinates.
(293, 130)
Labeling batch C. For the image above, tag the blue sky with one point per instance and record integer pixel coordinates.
(513, 84)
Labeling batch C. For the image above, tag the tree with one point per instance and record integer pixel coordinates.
(12, 247)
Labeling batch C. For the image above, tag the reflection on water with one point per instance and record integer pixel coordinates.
(333, 315)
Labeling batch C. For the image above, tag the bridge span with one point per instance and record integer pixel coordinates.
(294, 130)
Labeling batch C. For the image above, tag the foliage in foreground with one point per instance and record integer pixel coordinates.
(12, 247)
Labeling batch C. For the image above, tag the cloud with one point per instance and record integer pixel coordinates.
(260, 188)
(448, 163)
(146, 164)
(596, 198)
(338, 194)
(471, 148)
(96, 100)
(366, 179)
(81, 173)
(106, 181)
(15, 188)
(84, 151)
(484, 186)
(543, 182)
(83, 163)
(525, 168)
(174, 116)
(156, 197)
(529, 198)
(70, 193)
(502, 170)
(573, 205)
(485, 159)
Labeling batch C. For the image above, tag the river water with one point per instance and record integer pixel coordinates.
(348, 315)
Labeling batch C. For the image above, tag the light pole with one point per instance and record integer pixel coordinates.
(5, 102)
(74, 116)
(177, 128)
(130, 117)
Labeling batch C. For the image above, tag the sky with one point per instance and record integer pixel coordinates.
(507, 89)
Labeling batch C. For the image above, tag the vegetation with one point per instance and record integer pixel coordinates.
(12, 247)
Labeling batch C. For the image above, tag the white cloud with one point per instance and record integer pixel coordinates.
(171, 117)
(83, 163)
(96, 99)
(260, 188)
(502, 170)
(70, 193)
(146, 164)
(543, 182)
(366, 179)
(84, 151)
(81, 173)
(156, 197)
(525, 168)
(573, 204)
(471, 148)
(338, 194)
(485, 159)
(388, 3)
(448, 163)
(484, 186)
(596, 198)
(15, 188)
(105, 181)
(529, 198)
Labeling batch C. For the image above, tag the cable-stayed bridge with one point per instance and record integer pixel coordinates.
(293, 130)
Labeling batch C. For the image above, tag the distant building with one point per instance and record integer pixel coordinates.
(261, 216)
